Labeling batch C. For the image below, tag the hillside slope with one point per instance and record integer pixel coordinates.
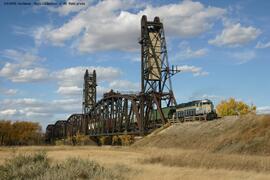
(248, 134)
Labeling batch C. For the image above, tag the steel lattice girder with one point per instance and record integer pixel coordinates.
(115, 113)
(89, 91)
(121, 113)
(130, 113)
(155, 71)
(76, 124)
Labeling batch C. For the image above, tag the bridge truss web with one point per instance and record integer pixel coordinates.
(137, 113)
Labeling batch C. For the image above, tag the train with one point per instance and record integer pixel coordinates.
(198, 110)
(195, 110)
(191, 111)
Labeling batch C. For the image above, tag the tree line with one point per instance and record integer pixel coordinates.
(20, 133)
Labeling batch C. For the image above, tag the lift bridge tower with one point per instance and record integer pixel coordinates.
(156, 85)
(89, 91)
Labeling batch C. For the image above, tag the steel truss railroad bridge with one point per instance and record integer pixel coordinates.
(116, 113)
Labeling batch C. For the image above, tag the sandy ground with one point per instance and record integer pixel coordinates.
(134, 160)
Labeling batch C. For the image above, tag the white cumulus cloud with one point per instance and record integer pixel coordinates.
(73, 76)
(39, 110)
(70, 80)
(235, 35)
(124, 85)
(196, 71)
(69, 90)
(188, 53)
(8, 112)
(30, 75)
(109, 25)
(22, 66)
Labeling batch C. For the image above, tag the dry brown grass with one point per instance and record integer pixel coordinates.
(157, 163)
(231, 148)
(248, 134)
(37, 166)
(199, 159)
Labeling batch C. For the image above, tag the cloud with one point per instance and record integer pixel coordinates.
(24, 58)
(101, 90)
(20, 102)
(31, 75)
(8, 112)
(103, 24)
(15, 74)
(196, 71)
(243, 57)
(235, 35)
(21, 66)
(38, 110)
(187, 18)
(73, 76)
(9, 92)
(212, 97)
(69, 90)
(124, 85)
(70, 7)
(261, 45)
(263, 110)
(40, 34)
(70, 80)
(188, 53)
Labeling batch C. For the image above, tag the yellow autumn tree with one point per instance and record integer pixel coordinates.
(233, 107)
(20, 133)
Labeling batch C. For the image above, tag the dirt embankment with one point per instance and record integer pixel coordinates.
(248, 134)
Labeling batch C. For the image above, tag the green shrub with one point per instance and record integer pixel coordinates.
(25, 167)
(75, 168)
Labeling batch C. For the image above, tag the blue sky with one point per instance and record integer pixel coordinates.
(222, 48)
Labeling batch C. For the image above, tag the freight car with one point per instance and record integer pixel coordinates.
(195, 111)
(167, 111)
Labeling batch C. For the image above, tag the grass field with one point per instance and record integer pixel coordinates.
(229, 148)
(151, 163)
